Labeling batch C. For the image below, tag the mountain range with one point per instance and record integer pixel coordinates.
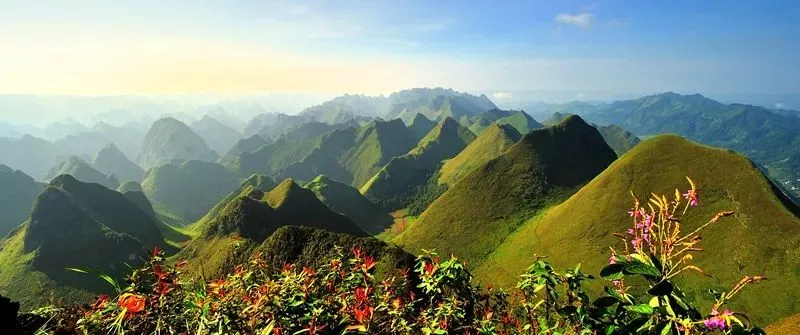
(416, 170)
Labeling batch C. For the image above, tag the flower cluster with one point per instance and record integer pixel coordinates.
(435, 296)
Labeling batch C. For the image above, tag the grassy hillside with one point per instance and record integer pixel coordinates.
(111, 161)
(393, 186)
(478, 213)
(253, 216)
(170, 140)
(17, 192)
(249, 144)
(217, 135)
(521, 121)
(492, 142)
(762, 238)
(188, 189)
(310, 130)
(617, 138)
(769, 138)
(73, 224)
(347, 200)
(81, 170)
(258, 182)
(420, 126)
(353, 155)
(271, 158)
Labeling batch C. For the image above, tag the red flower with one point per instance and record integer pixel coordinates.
(369, 263)
(363, 314)
(156, 251)
(404, 272)
(362, 294)
(131, 302)
(158, 270)
(163, 287)
(357, 252)
(216, 287)
(430, 268)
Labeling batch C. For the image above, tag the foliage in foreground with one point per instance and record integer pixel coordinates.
(435, 297)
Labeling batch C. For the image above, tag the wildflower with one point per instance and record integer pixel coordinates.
(163, 287)
(158, 270)
(612, 259)
(216, 286)
(362, 294)
(363, 314)
(691, 195)
(718, 321)
(356, 252)
(430, 268)
(133, 303)
(369, 263)
(156, 251)
(102, 302)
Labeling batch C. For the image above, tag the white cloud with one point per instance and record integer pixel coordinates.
(502, 95)
(779, 105)
(583, 20)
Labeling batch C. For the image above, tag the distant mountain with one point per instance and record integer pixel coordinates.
(32, 155)
(541, 110)
(346, 199)
(436, 104)
(82, 143)
(257, 182)
(476, 215)
(492, 142)
(219, 136)
(170, 140)
(353, 155)
(249, 144)
(313, 129)
(346, 108)
(272, 158)
(393, 185)
(110, 160)
(17, 192)
(129, 186)
(83, 171)
(770, 139)
(617, 138)
(128, 138)
(420, 126)
(188, 189)
(79, 225)
(270, 126)
(579, 230)
(252, 217)
(520, 120)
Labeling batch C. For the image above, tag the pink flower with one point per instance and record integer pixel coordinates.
(691, 195)
(612, 260)
(717, 321)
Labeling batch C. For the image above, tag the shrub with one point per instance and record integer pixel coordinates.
(437, 296)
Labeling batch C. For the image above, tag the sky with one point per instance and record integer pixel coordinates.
(586, 48)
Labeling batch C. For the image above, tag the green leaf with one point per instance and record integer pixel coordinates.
(639, 268)
(612, 271)
(605, 301)
(662, 288)
(665, 327)
(641, 309)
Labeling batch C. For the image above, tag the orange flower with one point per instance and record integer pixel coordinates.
(131, 302)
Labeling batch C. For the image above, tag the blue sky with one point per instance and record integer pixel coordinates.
(611, 47)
